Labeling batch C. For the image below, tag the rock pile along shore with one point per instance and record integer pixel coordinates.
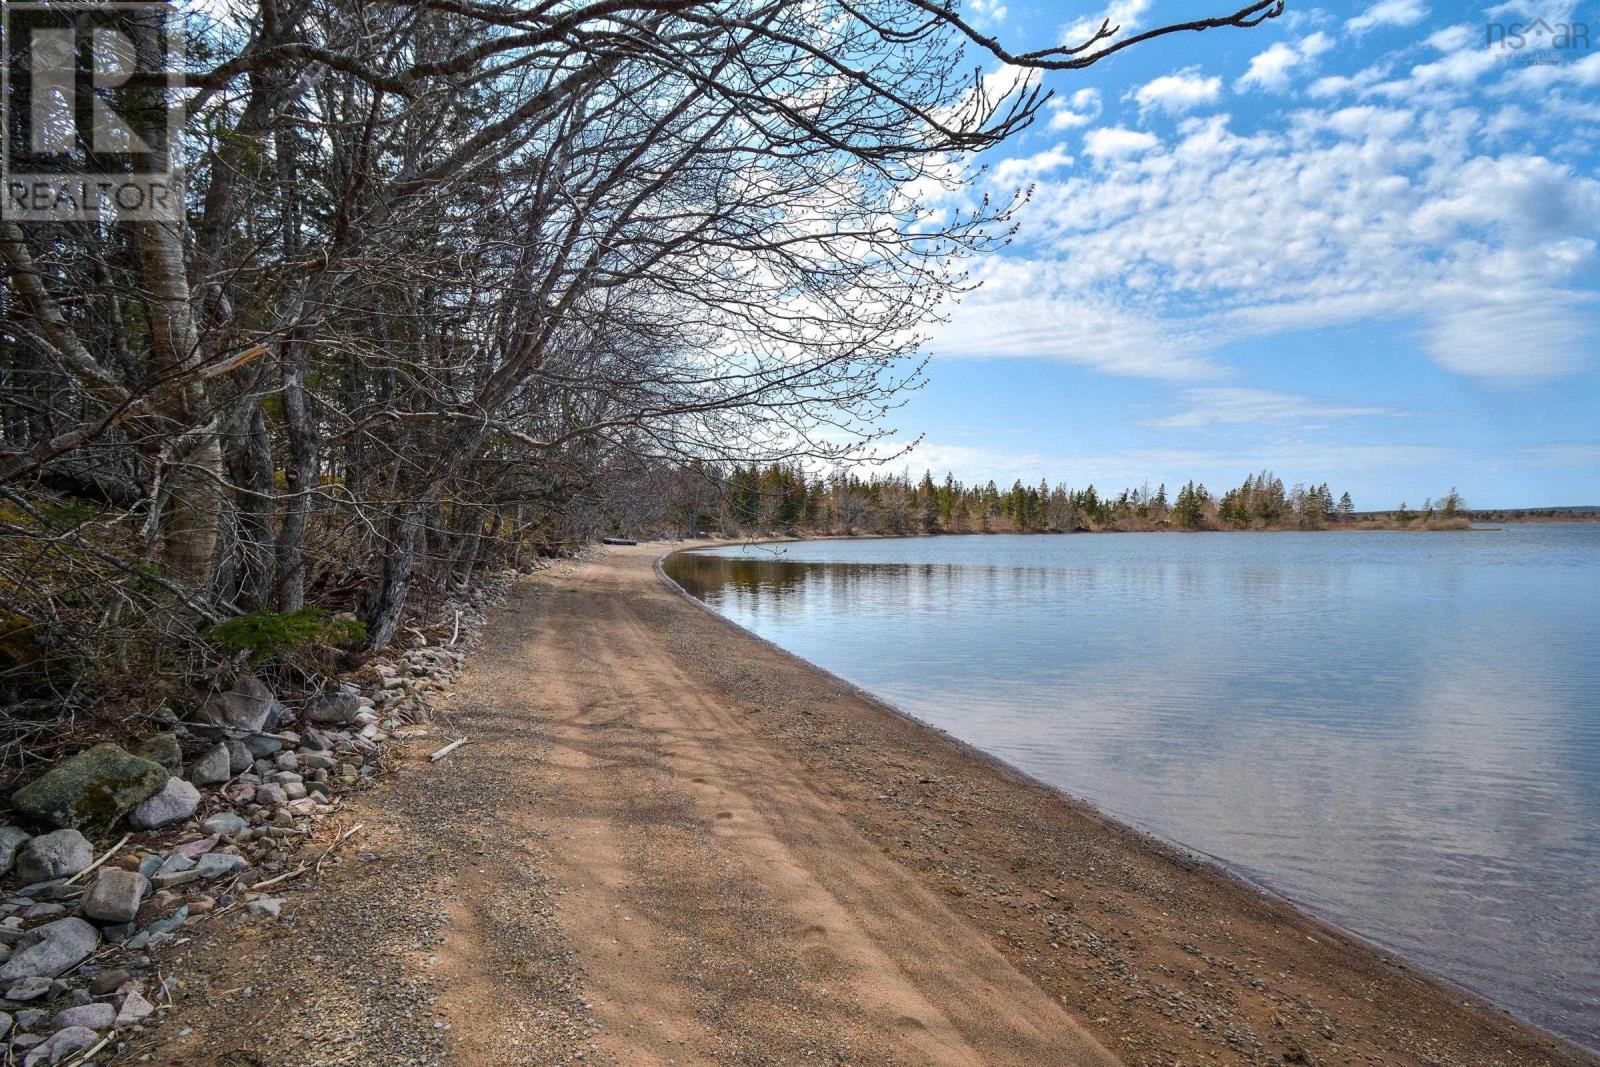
(117, 849)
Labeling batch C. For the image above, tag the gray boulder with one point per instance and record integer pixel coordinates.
(163, 749)
(223, 823)
(96, 1016)
(212, 768)
(335, 709)
(93, 789)
(60, 1046)
(48, 950)
(10, 838)
(265, 907)
(248, 707)
(26, 989)
(134, 1008)
(270, 796)
(58, 854)
(262, 747)
(239, 756)
(219, 865)
(115, 896)
(106, 982)
(176, 802)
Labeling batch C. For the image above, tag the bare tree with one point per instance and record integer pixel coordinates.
(450, 272)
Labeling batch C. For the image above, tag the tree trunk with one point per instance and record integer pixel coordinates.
(251, 467)
(405, 537)
(289, 593)
(194, 485)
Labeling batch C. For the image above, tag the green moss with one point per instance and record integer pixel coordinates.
(266, 635)
(92, 790)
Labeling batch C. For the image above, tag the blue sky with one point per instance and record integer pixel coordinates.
(1357, 244)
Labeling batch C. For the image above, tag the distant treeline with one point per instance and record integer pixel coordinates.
(1578, 514)
(780, 498)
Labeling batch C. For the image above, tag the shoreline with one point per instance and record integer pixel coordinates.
(667, 841)
(1168, 848)
(1177, 849)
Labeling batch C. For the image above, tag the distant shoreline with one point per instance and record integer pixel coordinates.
(1470, 523)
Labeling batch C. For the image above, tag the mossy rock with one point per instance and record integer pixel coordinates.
(161, 748)
(92, 790)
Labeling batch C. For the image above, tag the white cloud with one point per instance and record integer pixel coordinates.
(1453, 38)
(1388, 13)
(1078, 110)
(1583, 73)
(1339, 84)
(1172, 249)
(1460, 67)
(1521, 336)
(1117, 142)
(1565, 455)
(1446, 192)
(1271, 70)
(1031, 309)
(1021, 167)
(1177, 93)
(1218, 405)
(987, 12)
(1119, 15)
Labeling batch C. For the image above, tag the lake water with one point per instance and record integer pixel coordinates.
(1399, 731)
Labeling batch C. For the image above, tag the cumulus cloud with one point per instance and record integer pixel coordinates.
(1388, 13)
(1272, 70)
(1355, 213)
(1117, 142)
(1179, 92)
(1080, 109)
(1431, 188)
(1022, 167)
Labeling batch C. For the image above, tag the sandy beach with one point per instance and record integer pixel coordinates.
(669, 842)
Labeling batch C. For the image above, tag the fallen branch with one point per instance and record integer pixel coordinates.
(87, 1056)
(446, 750)
(108, 854)
(307, 867)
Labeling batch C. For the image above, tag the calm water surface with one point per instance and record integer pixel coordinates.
(1399, 731)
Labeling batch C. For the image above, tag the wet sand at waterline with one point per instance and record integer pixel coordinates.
(671, 842)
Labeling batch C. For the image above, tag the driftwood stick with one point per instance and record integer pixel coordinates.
(446, 750)
(108, 854)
